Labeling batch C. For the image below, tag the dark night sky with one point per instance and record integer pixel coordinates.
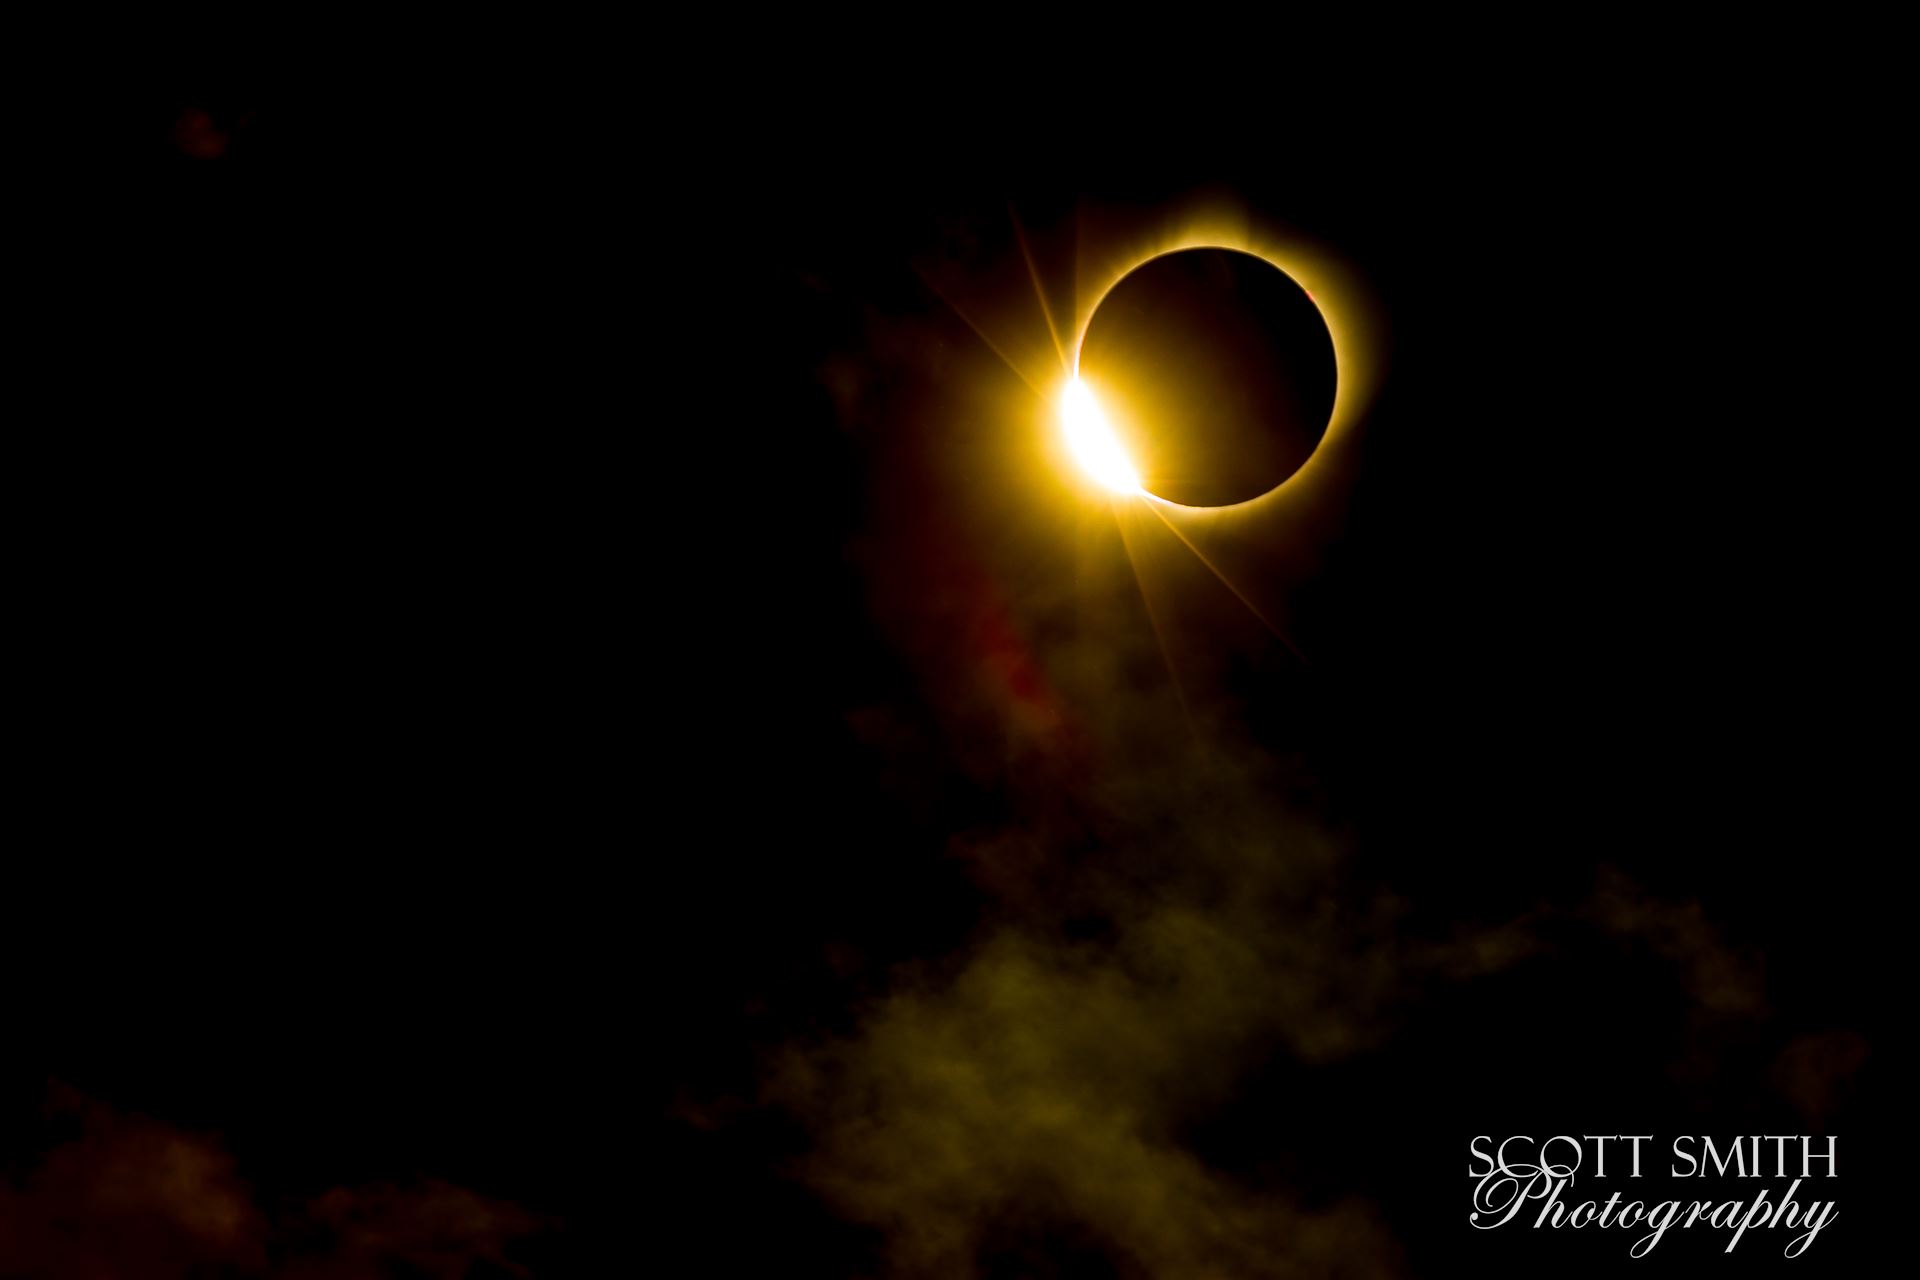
(542, 622)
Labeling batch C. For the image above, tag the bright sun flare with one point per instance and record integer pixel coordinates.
(1092, 441)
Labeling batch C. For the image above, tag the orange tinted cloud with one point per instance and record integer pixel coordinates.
(127, 1197)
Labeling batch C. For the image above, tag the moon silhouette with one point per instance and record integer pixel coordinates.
(1216, 372)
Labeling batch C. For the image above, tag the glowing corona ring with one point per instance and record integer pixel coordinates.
(1343, 305)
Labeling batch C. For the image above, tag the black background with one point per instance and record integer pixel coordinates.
(450, 631)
